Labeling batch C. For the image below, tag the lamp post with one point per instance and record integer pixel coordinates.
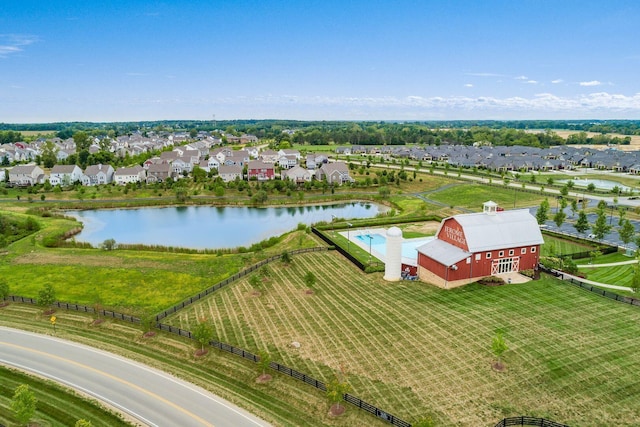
(349, 236)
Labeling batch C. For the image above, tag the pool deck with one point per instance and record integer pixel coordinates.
(352, 235)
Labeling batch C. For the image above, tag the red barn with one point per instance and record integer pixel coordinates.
(471, 246)
(260, 170)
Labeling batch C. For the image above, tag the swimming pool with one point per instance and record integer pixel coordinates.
(379, 244)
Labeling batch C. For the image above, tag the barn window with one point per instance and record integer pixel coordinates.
(523, 251)
(500, 254)
(533, 249)
(488, 255)
(511, 252)
(478, 256)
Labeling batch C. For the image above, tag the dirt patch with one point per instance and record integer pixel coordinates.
(309, 292)
(49, 312)
(336, 410)
(200, 352)
(149, 334)
(255, 293)
(97, 322)
(263, 379)
(429, 227)
(498, 366)
(4, 304)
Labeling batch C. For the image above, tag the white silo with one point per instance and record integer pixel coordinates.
(393, 261)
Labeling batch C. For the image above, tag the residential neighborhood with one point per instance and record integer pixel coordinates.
(177, 155)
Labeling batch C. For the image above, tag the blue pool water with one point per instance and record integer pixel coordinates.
(379, 244)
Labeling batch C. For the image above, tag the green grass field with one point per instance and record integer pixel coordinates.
(414, 349)
(56, 406)
(471, 196)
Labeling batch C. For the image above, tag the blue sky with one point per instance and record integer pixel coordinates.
(318, 60)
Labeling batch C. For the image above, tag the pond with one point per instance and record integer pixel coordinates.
(600, 184)
(208, 227)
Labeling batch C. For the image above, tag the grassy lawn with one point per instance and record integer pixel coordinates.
(414, 350)
(125, 280)
(470, 196)
(556, 246)
(56, 407)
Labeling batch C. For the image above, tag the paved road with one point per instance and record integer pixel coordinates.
(152, 397)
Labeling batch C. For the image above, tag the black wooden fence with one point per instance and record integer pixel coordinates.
(77, 307)
(228, 280)
(346, 254)
(383, 415)
(528, 421)
(587, 286)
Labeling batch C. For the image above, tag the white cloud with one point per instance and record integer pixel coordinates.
(468, 85)
(14, 43)
(532, 82)
(521, 78)
(591, 83)
(556, 81)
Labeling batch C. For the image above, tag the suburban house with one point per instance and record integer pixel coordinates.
(287, 161)
(98, 175)
(314, 161)
(297, 174)
(133, 174)
(260, 170)
(65, 175)
(470, 246)
(26, 175)
(230, 173)
(269, 156)
(158, 172)
(237, 158)
(334, 173)
(212, 163)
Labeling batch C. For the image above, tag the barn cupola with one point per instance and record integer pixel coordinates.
(490, 208)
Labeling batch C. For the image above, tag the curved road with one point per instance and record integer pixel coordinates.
(152, 397)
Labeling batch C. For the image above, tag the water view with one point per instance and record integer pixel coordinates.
(600, 184)
(208, 227)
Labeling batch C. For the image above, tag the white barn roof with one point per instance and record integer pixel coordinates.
(505, 229)
(443, 252)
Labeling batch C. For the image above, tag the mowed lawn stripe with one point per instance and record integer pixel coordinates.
(413, 349)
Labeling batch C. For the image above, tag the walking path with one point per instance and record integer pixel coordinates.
(611, 264)
(598, 284)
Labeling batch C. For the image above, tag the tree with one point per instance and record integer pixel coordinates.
(559, 217)
(601, 227)
(49, 154)
(46, 296)
(202, 333)
(384, 192)
(309, 279)
(574, 207)
(264, 361)
(23, 404)
(335, 392)
(254, 281)
(582, 223)
(498, 347)
(4, 289)
(82, 141)
(83, 423)
(626, 232)
(108, 245)
(285, 258)
(543, 212)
